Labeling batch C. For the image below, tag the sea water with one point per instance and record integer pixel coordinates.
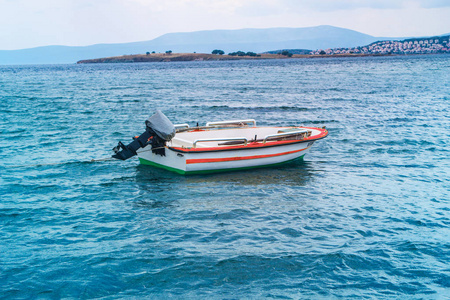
(365, 215)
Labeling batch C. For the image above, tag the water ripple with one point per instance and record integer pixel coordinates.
(366, 215)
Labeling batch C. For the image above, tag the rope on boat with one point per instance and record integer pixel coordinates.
(73, 162)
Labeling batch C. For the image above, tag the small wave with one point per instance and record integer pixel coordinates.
(255, 108)
(324, 121)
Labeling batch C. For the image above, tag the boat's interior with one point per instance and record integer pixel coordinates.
(233, 133)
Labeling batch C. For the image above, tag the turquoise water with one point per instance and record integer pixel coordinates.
(365, 215)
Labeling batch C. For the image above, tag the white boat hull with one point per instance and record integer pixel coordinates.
(218, 146)
(189, 163)
(215, 158)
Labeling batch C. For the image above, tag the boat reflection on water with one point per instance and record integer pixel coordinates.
(294, 174)
(159, 188)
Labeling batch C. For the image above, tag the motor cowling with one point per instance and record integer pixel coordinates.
(159, 130)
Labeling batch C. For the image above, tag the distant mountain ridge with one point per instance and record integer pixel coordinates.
(255, 40)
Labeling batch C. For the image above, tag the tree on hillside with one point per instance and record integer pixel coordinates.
(242, 53)
(169, 52)
(217, 51)
(238, 53)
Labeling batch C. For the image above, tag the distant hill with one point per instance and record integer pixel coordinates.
(255, 40)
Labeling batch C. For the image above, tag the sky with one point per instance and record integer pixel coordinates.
(33, 23)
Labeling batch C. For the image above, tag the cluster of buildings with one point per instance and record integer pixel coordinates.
(410, 46)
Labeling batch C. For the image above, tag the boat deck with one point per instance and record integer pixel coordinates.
(207, 138)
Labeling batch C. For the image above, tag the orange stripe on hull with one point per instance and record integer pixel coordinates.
(212, 160)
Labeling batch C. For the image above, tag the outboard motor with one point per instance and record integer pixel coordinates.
(158, 131)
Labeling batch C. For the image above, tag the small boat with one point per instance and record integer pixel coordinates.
(217, 146)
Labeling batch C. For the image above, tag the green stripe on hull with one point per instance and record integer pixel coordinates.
(153, 164)
(182, 172)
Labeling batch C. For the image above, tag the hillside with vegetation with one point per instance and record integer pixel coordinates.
(428, 45)
(169, 56)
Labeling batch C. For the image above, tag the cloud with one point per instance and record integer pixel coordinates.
(330, 5)
(189, 5)
(29, 23)
(267, 7)
(434, 3)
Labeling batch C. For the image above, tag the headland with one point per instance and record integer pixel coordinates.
(173, 57)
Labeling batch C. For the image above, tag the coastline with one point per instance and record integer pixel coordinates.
(165, 57)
